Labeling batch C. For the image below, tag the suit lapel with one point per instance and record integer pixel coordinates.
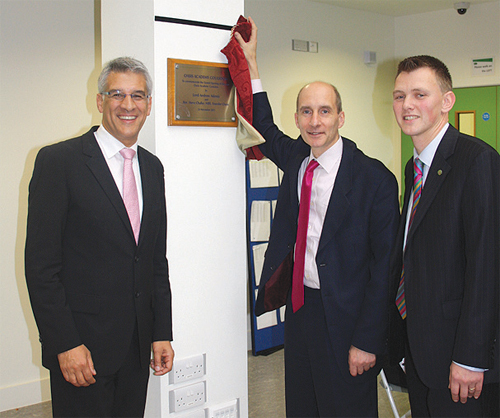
(436, 176)
(408, 178)
(339, 203)
(98, 166)
(293, 184)
(408, 184)
(147, 191)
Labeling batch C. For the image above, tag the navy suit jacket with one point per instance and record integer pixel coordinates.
(451, 263)
(89, 283)
(356, 241)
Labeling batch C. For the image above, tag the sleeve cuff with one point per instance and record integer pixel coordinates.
(472, 369)
(257, 86)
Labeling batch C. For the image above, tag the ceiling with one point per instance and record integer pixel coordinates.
(399, 7)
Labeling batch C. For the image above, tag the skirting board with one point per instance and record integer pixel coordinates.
(24, 394)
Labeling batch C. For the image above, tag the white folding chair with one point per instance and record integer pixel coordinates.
(389, 388)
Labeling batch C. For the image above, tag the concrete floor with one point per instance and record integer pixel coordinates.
(266, 393)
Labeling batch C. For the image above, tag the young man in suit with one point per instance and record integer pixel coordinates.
(96, 264)
(336, 328)
(445, 266)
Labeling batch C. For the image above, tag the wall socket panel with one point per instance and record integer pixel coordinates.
(187, 397)
(225, 410)
(188, 369)
(196, 413)
(304, 46)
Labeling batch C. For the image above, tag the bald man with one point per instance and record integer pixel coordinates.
(328, 254)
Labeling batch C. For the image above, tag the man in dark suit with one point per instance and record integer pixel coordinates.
(96, 264)
(445, 266)
(333, 337)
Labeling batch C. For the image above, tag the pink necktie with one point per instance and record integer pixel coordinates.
(301, 243)
(418, 167)
(130, 196)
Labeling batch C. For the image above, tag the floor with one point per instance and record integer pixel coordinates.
(266, 390)
(39, 410)
(266, 393)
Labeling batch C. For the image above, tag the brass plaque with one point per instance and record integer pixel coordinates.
(200, 94)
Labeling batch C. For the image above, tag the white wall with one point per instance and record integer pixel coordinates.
(48, 74)
(50, 59)
(455, 39)
(205, 190)
(343, 36)
(127, 30)
(204, 172)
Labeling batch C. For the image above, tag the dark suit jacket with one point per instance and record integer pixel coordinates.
(356, 241)
(451, 262)
(89, 283)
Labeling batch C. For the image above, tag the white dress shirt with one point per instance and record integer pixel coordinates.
(321, 191)
(322, 186)
(111, 147)
(257, 85)
(426, 156)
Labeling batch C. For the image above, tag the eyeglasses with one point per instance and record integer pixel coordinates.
(119, 96)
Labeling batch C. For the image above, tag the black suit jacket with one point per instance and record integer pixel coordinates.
(89, 283)
(451, 263)
(354, 250)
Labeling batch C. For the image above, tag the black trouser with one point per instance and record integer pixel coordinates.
(314, 385)
(122, 394)
(430, 402)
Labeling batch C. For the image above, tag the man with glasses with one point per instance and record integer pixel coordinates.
(96, 267)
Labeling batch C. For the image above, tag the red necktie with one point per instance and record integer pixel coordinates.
(130, 195)
(418, 168)
(301, 243)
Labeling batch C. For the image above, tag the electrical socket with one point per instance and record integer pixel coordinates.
(187, 397)
(187, 369)
(224, 410)
(197, 413)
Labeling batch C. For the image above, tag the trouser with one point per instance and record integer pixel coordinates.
(430, 402)
(122, 394)
(314, 385)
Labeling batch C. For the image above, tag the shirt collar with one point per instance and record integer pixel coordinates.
(427, 155)
(330, 157)
(110, 146)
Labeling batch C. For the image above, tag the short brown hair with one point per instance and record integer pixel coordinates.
(421, 61)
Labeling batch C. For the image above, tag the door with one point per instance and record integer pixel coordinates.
(481, 102)
(476, 109)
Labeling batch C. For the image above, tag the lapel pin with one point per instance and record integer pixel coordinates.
(440, 172)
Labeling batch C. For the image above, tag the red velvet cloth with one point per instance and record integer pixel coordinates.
(240, 74)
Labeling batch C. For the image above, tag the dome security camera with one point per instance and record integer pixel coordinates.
(462, 7)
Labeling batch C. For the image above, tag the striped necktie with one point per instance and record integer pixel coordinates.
(418, 168)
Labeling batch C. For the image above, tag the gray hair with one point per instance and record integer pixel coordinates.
(123, 65)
